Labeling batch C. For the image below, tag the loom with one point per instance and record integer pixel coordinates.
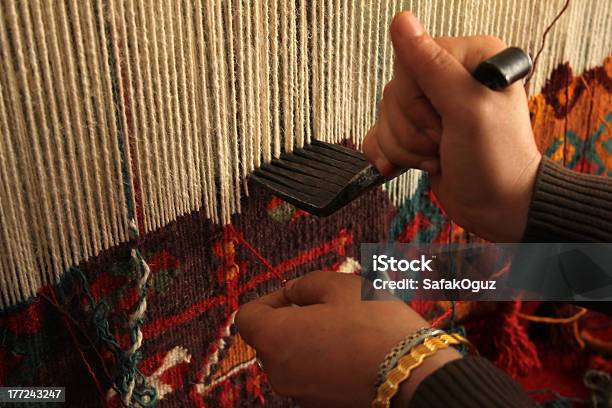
(119, 113)
(118, 118)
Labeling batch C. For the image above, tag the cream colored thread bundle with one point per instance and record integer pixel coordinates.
(164, 107)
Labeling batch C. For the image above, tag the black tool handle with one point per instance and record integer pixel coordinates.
(503, 68)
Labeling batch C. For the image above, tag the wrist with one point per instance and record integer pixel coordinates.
(526, 184)
(431, 364)
(508, 220)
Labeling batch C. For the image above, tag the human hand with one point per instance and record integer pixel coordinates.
(476, 144)
(322, 345)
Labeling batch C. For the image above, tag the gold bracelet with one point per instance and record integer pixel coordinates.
(409, 362)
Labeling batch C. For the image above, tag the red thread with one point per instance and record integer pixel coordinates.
(257, 255)
(443, 317)
(543, 43)
(161, 325)
(304, 257)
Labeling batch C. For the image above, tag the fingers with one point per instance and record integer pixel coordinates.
(404, 150)
(395, 142)
(439, 75)
(260, 321)
(253, 318)
(431, 78)
(372, 152)
(469, 51)
(414, 104)
(322, 287)
(410, 134)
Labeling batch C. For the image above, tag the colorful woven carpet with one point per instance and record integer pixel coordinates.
(72, 334)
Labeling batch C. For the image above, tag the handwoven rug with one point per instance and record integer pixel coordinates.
(129, 236)
(201, 272)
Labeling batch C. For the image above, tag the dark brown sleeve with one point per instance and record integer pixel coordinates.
(568, 206)
(470, 382)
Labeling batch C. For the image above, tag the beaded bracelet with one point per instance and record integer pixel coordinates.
(409, 362)
(401, 349)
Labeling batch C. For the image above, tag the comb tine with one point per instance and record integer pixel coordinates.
(305, 169)
(325, 168)
(300, 178)
(307, 191)
(337, 154)
(290, 184)
(323, 158)
(341, 149)
(288, 193)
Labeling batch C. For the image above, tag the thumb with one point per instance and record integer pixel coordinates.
(440, 77)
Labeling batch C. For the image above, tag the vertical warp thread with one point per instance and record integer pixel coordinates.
(207, 171)
(187, 106)
(234, 171)
(46, 143)
(305, 75)
(157, 198)
(21, 116)
(247, 144)
(88, 141)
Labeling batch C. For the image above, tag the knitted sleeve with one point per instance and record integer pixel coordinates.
(470, 382)
(569, 207)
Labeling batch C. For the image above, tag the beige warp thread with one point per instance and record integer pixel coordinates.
(177, 102)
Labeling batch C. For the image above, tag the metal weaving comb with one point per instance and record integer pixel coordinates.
(321, 177)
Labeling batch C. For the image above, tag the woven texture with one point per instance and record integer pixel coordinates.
(117, 117)
(200, 272)
(129, 236)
